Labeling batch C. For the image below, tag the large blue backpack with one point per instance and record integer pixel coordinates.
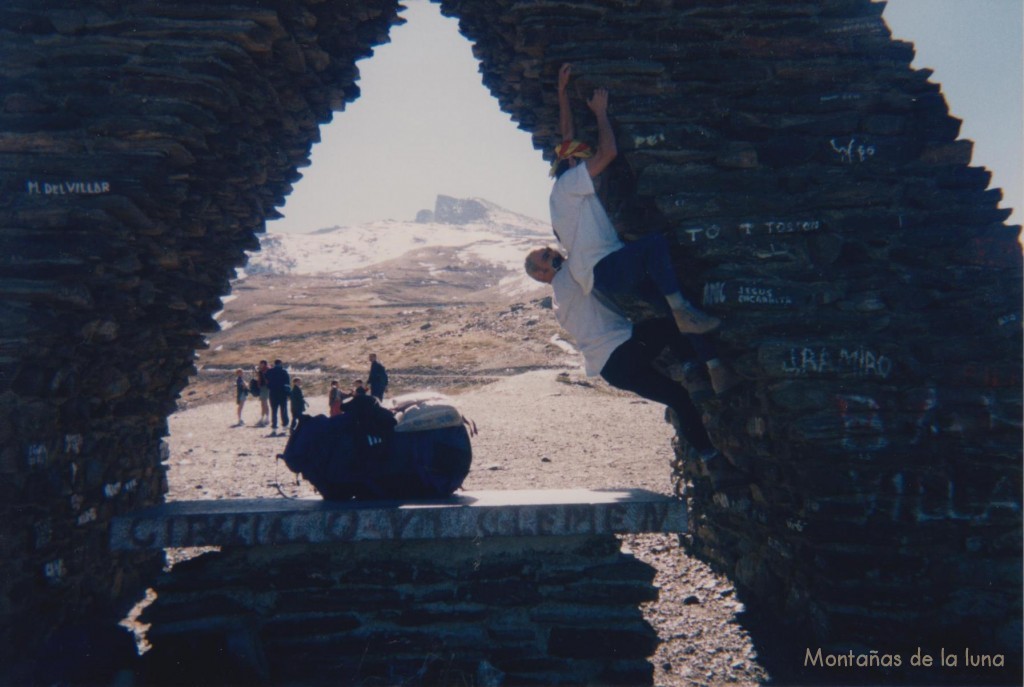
(359, 455)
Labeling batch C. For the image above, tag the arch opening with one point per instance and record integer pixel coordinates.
(503, 334)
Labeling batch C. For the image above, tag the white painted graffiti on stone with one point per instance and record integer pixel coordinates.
(758, 295)
(747, 293)
(869, 25)
(839, 97)
(67, 188)
(111, 490)
(865, 362)
(714, 293)
(648, 141)
(36, 455)
(745, 229)
(852, 151)
(710, 232)
(87, 517)
(772, 252)
(54, 570)
(804, 361)
(823, 360)
(798, 227)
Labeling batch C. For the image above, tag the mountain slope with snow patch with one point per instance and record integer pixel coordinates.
(476, 236)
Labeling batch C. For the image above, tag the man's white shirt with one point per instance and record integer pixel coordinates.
(581, 224)
(598, 330)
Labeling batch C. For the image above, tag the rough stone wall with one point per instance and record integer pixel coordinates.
(514, 611)
(813, 182)
(142, 145)
(821, 203)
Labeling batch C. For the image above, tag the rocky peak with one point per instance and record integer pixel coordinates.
(448, 210)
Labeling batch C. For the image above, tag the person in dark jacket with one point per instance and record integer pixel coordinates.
(378, 378)
(298, 403)
(278, 380)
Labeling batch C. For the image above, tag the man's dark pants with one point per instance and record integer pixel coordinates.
(279, 399)
(641, 271)
(631, 368)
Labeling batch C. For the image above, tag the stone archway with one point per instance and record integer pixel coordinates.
(813, 182)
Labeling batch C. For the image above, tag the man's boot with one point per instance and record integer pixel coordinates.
(689, 320)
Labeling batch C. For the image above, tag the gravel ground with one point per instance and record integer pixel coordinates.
(541, 429)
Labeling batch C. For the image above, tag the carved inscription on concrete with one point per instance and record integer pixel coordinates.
(260, 523)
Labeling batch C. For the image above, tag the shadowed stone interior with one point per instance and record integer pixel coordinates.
(812, 183)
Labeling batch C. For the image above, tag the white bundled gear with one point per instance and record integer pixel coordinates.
(428, 410)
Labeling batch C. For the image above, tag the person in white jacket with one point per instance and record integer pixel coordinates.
(622, 353)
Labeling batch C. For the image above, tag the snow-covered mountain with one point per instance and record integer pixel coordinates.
(462, 235)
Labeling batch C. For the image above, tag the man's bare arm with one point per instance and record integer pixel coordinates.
(564, 110)
(606, 148)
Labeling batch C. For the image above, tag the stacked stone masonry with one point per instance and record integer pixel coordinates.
(815, 187)
(541, 610)
(505, 587)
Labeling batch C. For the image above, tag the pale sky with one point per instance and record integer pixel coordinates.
(425, 124)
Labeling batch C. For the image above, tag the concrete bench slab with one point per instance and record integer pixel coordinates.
(466, 515)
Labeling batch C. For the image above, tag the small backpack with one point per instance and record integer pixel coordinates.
(254, 387)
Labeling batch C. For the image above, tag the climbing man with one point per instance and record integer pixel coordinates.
(598, 260)
(622, 353)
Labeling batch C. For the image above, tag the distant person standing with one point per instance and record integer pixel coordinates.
(298, 402)
(241, 393)
(335, 398)
(277, 381)
(378, 378)
(264, 391)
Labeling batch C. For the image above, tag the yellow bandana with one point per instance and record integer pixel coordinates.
(568, 149)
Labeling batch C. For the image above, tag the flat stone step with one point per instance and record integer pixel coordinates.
(467, 515)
